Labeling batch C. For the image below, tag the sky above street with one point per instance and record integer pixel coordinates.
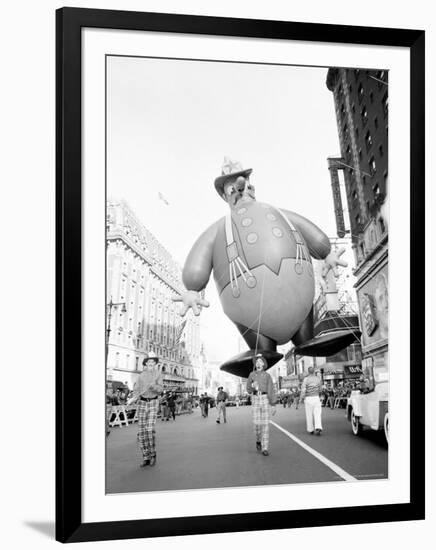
(171, 122)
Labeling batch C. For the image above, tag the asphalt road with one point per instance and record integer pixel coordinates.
(194, 453)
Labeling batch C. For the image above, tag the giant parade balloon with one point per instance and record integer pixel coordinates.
(260, 256)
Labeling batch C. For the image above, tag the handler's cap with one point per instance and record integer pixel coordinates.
(230, 169)
(151, 356)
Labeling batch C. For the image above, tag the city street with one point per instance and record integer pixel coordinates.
(194, 452)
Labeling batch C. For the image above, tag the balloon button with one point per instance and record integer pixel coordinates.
(246, 222)
(236, 292)
(251, 281)
(277, 232)
(271, 217)
(251, 238)
(242, 211)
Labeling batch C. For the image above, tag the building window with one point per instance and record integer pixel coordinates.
(385, 102)
(372, 165)
(381, 76)
(371, 97)
(364, 115)
(368, 140)
(375, 123)
(376, 190)
(382, 225)
(360, 154)
(360, 92)
(136, 363)
(380, 150)
(357, 132)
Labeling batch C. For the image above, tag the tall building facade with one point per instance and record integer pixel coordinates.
(361, 103)
(142, 277)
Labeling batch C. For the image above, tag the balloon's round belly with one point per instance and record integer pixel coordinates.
(278, 303)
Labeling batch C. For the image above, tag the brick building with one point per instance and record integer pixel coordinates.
(361, 103)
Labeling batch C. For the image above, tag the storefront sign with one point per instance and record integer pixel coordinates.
(374, 308)
(352, 370)
(369, 314)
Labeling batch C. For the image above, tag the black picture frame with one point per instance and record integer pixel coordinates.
(69, 22)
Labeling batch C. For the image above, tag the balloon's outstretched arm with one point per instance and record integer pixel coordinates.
(197, 270)
(191, 299)
(198, 265)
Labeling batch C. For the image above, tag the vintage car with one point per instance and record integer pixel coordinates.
(369, 408)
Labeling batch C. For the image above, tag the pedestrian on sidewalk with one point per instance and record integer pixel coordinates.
(261, 387)
(310, 390)
(146, 392)
(171, 404)
(221, 399)
(206, 400)
(297, 398)
(164, 410)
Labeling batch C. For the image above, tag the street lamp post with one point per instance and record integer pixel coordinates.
(110, 306)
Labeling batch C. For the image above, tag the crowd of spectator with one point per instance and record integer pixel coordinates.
(331, 396)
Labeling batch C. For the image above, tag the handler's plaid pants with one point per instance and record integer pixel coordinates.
(261, 416)
(147, 416)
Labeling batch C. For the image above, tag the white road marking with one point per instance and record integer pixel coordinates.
(337, 469)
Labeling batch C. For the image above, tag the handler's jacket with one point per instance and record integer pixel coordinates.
(149, 384)
(265, 384)
(221, 396)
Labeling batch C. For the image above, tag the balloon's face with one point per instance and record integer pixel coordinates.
(239, 190)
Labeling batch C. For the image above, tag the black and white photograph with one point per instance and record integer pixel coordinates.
(218, 274)
(247, 274)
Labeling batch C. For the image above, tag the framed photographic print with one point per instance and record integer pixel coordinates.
(240, 235)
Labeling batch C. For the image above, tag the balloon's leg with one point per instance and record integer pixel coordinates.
(256, 342)
(242, 364)
(305, 332)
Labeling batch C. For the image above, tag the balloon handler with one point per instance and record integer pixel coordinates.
(260, 256)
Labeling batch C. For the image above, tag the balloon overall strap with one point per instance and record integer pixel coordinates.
(302, 253)
(236, 262)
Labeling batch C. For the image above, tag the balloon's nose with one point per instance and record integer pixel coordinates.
(240, 184)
